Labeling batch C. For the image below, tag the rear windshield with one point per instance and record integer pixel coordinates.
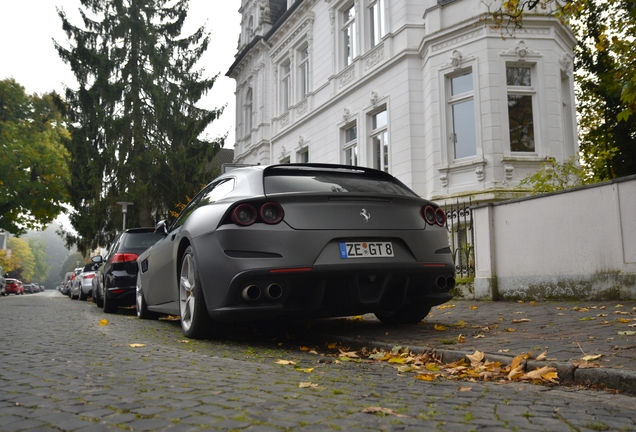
(290, 181)
(140, 240)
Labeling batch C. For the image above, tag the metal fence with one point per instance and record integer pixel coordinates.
(459, 223)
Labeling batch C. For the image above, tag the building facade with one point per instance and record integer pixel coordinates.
(423, 90)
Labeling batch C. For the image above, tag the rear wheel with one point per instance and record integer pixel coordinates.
(403, 315)
(109, 305)
(195, 320)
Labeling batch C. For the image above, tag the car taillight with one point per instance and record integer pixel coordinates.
(244, 215)
(124, 257)
(434, 215)
(271, 213)
(89, 276)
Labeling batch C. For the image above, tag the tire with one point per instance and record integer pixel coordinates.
(109, 305)
(81, 295)
(195, 321)
(404, 315)
(140, 303)
(98, 299)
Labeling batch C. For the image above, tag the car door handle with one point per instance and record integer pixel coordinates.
(172, 237)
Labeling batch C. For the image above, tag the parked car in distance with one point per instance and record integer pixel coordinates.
(75, 289)
(14, 286)
(29, 289)
(298, 240)
(117, 276)
(84, 280)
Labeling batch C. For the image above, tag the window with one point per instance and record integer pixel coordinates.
(380, 141)
(520, 115)
(377, 21)
(303, 156)
(349, 34)
(462, 115)
(248, 111)
(285, 86)
(303, 71)
(351, 145)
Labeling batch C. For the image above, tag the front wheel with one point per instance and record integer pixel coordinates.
(403, 315)
(140, 303)
(109, 305)
(195, 320)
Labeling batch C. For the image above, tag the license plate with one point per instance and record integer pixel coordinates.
(366, 250)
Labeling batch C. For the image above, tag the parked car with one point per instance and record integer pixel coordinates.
(74, 287)
(29, 289)
(3, 282)
(298, 240)
(117, 276)
(84, 281)
(14, 286)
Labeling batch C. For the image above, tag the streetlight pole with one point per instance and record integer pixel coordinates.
(124, 209)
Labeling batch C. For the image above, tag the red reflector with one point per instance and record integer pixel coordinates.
(124, 257)
(88, 276)
(292, 270)
(116, 291)
(436, 265)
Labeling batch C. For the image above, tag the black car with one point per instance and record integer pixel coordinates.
(116, 280)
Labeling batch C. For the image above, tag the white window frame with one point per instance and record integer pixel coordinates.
(527, 91)
(302, 155)
(349, 34)
(285, 85)
(454, 100)
(350, 145)
(248, 111)
(377, 21)
(303, 71)
(380, 133)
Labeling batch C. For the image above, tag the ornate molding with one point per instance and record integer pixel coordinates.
(284, 120)
(346, 114)
(521, 52)
(457, 40)
(375, 57)
(509, 171)
(479, 172)
(347, 76)
(302, 107)
(374, 98)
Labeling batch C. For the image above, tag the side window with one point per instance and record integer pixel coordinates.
(521, 94)
(461, 104)
(212, 193)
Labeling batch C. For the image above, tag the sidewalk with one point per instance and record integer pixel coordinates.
(590, 343)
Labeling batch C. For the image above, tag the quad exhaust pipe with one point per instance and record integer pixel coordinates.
(445, 282)
(253, 292)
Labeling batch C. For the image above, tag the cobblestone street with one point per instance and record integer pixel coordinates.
(63, 368)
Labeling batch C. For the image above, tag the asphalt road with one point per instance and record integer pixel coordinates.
(63, 368)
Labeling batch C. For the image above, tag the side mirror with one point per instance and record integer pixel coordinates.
(97, 259)
(161, 228)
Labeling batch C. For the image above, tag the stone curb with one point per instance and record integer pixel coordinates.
(623, 381)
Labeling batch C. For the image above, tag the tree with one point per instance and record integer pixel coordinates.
(604, 72)
(33, 166)
(22, 261)
(40, 267)
(136, 127)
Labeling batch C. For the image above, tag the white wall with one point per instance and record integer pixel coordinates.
(578, 244)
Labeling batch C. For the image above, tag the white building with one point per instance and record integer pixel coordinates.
(421, 89)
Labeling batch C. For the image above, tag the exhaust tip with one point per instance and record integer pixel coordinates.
(274, 291)
(450, 282)
(441, 282)
(251, 293)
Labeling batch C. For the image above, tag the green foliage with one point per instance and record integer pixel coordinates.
(40, 268)
(136, 132)
(33, 167)
(553, 176)
(22, 259)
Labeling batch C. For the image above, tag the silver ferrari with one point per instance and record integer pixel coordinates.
(297, 240)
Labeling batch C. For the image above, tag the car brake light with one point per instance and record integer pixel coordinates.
(434, 215)
(89, 276)
(124, 257)
(272, 213)
(244, 215)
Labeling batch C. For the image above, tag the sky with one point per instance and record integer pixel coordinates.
(27, 53)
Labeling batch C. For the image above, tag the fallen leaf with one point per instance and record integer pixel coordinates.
(624, 320)
(473, 307)
(465, 389)
(589, 358)
(446, 306)
(545, 373)
(461, 338)
(479, 336)
(136, 345)
(590, 318)
(542, 356)
(307, 385)
(440, 327)
(380, 410)
(425, 377)
(306, 370)
(285, 362)
(627, 333)
(510, 330)
(533, 303)
(183, 341)
(515, 373)
(477, 357)
(102, 323)
(357, 318)
(560, 308)
(305, 349)
(349, 354)
(522, 320)
(618, 306)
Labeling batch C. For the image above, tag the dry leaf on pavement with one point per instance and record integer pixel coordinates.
(307, 385)
(285, 362)
(136, 345)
